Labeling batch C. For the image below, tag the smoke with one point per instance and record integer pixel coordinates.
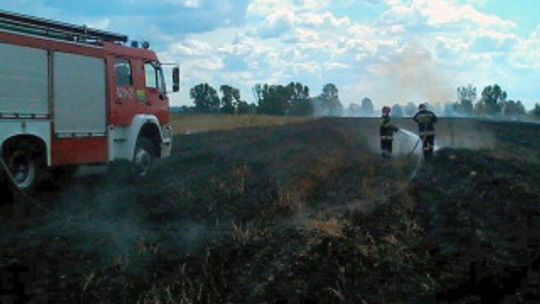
(105, 218)
(413, 74)
(450, 133)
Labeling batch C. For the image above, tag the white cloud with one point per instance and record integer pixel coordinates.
(332, 66)
(325, 19)
(303, 36)
(527, 52)
(277, 23)
(314, 5)
(440, 13)
(192, 48)
(493, 41)
(420, 49)
(266, 7)
(180, 3)
(102, 24)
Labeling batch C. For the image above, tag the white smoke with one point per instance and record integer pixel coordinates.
(412, 73)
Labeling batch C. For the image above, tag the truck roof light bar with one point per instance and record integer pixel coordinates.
(59, 30)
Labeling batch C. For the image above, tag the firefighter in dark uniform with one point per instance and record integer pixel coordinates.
(386, 131)
(426, 129)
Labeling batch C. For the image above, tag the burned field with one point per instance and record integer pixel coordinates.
(306, 212)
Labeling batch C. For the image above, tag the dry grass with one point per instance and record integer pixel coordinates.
(332, 227)
(305, 211)
(197, 123)
(292, 198)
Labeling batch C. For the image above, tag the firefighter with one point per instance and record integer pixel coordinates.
(426, 121)
(386, 131)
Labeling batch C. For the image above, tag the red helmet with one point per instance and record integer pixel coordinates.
(386, 110)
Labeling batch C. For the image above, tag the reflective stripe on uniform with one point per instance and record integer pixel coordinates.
(387, 137)
(424, 118)
(427, 133)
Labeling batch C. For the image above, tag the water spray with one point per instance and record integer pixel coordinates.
(415, 136)
(418, 140)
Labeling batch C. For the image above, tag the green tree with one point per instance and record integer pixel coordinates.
(230, 99)
(410, 109)
(329, 101)
(272, 99)
(243, 107)
(491, 100)
(354, 109)
(513, 108)
(367, 107)
(397, 110)
(298, 91)
(205, 98)
(292, 99)
(536, 110)
(300, 103)
(467, 96)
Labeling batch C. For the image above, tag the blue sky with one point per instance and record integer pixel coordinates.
(392, 51)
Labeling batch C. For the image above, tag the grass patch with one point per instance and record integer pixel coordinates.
(197, 123)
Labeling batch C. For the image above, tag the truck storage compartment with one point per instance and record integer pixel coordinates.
(79, 96)
(24, 88)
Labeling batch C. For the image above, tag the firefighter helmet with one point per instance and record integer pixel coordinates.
(386, 110)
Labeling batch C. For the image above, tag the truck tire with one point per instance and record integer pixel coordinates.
(144, 157)
(25, 167)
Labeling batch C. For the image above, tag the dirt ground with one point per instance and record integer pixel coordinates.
(301, 213)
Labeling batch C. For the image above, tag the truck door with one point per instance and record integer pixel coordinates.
(154, 83)
(124, 92)
(156, 99)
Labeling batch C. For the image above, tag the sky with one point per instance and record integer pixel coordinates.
(392, 51)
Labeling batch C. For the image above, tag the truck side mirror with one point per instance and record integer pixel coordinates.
(176, 79)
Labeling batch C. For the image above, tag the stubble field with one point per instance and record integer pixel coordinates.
(298, 213)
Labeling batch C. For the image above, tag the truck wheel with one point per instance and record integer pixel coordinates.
(25, 167)
(144, 157)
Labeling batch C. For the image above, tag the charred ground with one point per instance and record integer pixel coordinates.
(303, 212)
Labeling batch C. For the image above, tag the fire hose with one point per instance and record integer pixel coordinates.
(414, 149)
(413, 175)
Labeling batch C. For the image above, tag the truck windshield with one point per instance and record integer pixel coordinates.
(154, 77)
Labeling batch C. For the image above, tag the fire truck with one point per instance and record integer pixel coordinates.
(72, 95)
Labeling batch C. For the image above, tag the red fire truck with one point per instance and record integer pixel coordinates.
(72, 95)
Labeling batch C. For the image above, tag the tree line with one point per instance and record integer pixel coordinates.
(493, 102)
(207, 100)
(292, 99)
(295, 99)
